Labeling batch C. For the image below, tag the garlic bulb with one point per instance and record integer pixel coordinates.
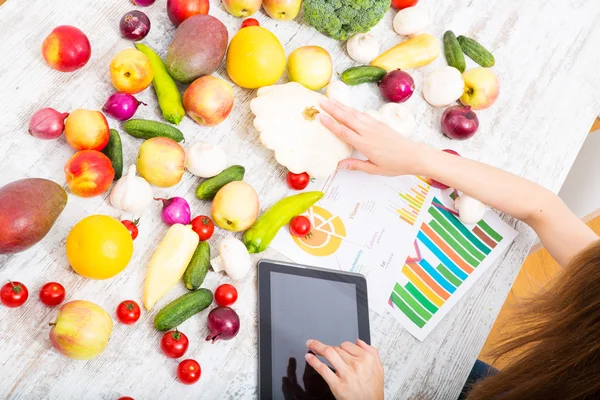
(363, 47)
(131, 193)
(470, 211)
(205, 160)
(338, 90)
(411, 21)
(398, 117)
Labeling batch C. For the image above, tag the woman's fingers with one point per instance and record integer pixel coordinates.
(329, 353)
(366, 347)
(356, 121)
(351, 349)
(322, 369)
(355, 164)
(344, 355)
(341, 131)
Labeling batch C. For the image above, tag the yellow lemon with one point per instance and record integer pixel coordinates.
(255, 58)
(99, 247)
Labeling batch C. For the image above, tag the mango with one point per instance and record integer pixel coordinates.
(28, 209)
(197, 49)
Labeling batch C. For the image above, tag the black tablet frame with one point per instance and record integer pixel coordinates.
(265, 267)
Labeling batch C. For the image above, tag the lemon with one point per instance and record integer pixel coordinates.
(99, 247)
(255, 58)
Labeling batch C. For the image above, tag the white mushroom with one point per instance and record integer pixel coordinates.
(233, 259)
(205, 160)
(470, 211)
(338, 90)
(411, 21)
(363, 47)
(398, 117)
(443, 86)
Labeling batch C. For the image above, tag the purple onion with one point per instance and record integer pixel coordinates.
(223, 323)
(176, 210)
(397, 86)
(47, 123)
(459, 122)
(134, 25)
(121, 106)
(143, 3)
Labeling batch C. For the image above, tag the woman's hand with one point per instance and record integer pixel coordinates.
(388, 152)
(358, 370)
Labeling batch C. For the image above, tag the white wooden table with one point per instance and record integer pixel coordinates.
(549, 68)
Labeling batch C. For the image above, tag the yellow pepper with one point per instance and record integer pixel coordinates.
(416, 52)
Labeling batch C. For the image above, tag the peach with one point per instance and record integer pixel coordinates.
(161, 161)
(66, 48)
(89, 173)
(130, 71)
(208, 100)
(87, 130)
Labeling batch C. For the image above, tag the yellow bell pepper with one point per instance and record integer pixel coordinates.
(416, 52)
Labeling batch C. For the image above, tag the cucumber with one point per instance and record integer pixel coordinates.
(198, 267)
(177, 311)
(365, 74)
(453, 52)
(114, 151)
(209, 188)
(476, 52)
(146, 129)
(169, 98)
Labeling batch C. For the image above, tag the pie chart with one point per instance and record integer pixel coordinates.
(326, 234)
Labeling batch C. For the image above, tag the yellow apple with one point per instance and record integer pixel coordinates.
(284, 10)
(481, 88)
(235, 206)
(310, 66)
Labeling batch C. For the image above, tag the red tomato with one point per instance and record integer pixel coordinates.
(14, 294)
(174, 344)
(226, 295)
(203, 226)
(128, 312)
(437, 184)
(297, 181)
(132, 227)
(189, 371)
(52, 294)
(249, 22)
(300, 226)
(400, 4)
(125, 398)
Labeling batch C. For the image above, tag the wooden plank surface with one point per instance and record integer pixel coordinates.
(548, 67)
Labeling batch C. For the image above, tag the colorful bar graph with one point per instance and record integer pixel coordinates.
(413, 199)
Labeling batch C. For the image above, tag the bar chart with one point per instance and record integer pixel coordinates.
(411, 197)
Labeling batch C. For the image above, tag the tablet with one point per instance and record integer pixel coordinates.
(297, 303)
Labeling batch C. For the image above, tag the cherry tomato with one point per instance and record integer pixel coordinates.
(226, 295)
(189, 371)
(128, 312)
(400, 4)
(52, 294)
(437, 184)
(14, 294)
(203, 226)
(300, 226)
(297, 181)
(249, 22)
(174, 344)
(125, 398)
(132, 227)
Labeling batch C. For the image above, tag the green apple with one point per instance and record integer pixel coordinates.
(481, 88)
(235, 206)
(282, 9)
(310, 66)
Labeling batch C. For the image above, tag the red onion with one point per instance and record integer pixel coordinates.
(397, 86)
(459, 122)
(134, 25)
(47, 123)
(176, 210)
(223, 323)
(121, 106)
(437, 184)
(143, 3)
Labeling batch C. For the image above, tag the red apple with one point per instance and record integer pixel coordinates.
(89, 173)
(87, 130)
(180, 10)
(482, 88)
(66, 48)
(437, 184)
(208, 100)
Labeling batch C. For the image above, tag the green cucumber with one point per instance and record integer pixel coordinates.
(453, 52)
(476, 52)
(114, 151)
(198, 267)
(364, 74)
(169, 98)
(177, 311)
(209, 188)
(146, 129)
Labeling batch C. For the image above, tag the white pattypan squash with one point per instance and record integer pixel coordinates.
(288, 121)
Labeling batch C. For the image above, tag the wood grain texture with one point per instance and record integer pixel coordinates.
(548, 67)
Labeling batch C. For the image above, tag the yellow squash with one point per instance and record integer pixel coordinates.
(168, 263)
(416, 52)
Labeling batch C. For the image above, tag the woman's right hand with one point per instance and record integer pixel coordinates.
(388, 152)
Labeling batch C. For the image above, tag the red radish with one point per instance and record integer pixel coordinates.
(223, 323)
(437, 184)
(397, 86)
(459, 122)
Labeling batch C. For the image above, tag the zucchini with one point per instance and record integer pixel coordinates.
(198, 267)
(114, 151)
(179, 310)
(364, 74)
(146, 129)
(209, 188)
(476, 52)
(453, 52)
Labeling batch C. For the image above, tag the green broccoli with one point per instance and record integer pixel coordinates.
(340, 19)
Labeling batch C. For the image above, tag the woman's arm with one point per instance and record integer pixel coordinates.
(391, 154)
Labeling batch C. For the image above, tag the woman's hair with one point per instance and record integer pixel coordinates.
(557, 354)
